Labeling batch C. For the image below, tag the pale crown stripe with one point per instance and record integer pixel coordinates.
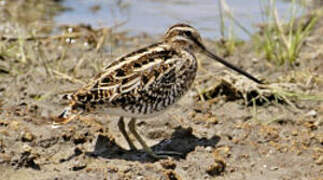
(181, 29)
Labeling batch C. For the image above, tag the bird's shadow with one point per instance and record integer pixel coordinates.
(182, 141)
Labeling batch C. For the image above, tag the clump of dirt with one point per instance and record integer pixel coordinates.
(217, 127)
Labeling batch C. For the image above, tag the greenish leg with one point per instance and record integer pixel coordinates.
(121, 126)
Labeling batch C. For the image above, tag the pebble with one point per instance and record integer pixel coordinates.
(27, 137)
(216, 168)
(209, 149)
(26, 148)
(294, 133)
(139, 177)
(274, 168)
(312, 113)
(319, 161)
(78, 165)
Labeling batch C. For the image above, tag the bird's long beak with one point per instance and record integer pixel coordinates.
(224, 62)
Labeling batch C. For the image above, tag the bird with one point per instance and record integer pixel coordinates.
(144, 83)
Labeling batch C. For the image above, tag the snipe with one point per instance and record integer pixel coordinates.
(145, 82)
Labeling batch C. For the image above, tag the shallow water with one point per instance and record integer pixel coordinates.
(154, 16)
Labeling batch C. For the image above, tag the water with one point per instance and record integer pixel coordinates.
(154, 16)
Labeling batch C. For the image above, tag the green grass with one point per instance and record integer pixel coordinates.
(229, 41)
(282, 43)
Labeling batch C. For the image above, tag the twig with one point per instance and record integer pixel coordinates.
(78, 65)
(67, 77)
(221, 4)
(102, 39)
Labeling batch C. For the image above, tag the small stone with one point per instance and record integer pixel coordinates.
(312, 113)
(254, 60)
(27, 137)
(274, 168)
(235, 140)
(26, 148)
(217, 168)
(310, 125)
(209, 149)
(14, 125)
(294, 133)
(213, 120)
(78, 165)
(319, 161)
(252, 164)
(139, 178)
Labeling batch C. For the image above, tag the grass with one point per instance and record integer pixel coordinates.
(229, 41)
(281, 44)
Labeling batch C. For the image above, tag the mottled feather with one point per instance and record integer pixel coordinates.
(142, 82)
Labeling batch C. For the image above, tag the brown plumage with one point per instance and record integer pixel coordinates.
(145, 82)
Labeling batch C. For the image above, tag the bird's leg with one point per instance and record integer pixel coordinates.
(121, 126)
(132, 128)
(159, 155)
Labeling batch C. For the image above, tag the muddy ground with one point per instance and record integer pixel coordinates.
(220, 137)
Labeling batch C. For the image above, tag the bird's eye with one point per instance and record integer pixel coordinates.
(188, 33)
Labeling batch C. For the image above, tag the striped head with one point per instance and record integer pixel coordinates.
(183, 36)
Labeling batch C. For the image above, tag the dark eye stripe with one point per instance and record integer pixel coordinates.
(179, 30)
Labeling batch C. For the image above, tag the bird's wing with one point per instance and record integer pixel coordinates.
(147, 68)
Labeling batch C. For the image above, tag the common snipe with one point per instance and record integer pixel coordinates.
(145, 82)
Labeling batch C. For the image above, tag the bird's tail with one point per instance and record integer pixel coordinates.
(69, 113)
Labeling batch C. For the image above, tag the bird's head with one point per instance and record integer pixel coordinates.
(183, 36)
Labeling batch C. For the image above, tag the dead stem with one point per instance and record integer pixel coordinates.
(67, 77)
(102, 39)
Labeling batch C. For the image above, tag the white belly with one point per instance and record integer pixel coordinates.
(122, 112)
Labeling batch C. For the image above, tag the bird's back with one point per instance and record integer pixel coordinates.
(141, 83)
